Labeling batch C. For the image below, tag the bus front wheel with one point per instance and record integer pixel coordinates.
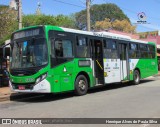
(81, 85)
(136, 77)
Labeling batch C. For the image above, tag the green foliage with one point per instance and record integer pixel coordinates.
(99, 13)
(8, 19)
(120, 25)
(59, 20)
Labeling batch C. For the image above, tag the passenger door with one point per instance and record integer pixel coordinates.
(98, 60)
(124, 61)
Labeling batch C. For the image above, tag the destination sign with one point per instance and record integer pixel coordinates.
(26, 33)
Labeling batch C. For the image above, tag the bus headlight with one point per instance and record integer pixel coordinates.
(39, 79)
(44, 76)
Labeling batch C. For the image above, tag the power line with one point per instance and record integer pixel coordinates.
(141, 25)
(148, 27)
(69, 3)
(84, 1)
(133, 11)
(136, 13)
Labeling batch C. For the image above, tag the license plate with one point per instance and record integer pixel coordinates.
(21, 87)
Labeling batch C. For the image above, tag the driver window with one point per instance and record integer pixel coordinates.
(63, 48)
(52, 47)
(59, 48)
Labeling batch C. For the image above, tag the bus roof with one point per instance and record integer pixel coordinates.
(99, 34)
(140, 41)
(104, 34)
(92, 33)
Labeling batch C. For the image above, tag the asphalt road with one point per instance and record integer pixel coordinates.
(112, 101)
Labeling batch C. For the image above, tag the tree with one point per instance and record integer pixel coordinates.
(120, 25)
(103, 25)
(8, 19)
(59, 20)
(124, 26)
(9, 22)
(99, 13)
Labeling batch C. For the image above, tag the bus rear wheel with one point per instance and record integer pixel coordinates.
(81, 85)
(136, 77)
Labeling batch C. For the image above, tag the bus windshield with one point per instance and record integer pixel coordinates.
(29, 53)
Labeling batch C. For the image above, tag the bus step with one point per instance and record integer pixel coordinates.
(99, 84)
(99, 81)
(124, 81)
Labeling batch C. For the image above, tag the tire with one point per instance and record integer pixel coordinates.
(81, 85)
(136, 77)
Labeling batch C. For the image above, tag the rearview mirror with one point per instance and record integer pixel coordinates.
(4, 50)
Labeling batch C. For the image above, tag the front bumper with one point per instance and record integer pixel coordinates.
(41, 87)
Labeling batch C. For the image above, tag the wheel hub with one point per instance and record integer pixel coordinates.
(82, 84)
(136, 77)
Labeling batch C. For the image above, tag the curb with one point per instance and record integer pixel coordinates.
(4, 98)
(156, 75)
(14, 96)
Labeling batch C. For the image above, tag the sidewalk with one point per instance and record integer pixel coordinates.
(6, 94)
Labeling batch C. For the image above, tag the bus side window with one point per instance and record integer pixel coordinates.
(82, 48)
(144, 50)
(63, 48)
(133, 51)
(151, 51)
(110, 49)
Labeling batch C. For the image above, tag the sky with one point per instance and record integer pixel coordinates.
(151, 8)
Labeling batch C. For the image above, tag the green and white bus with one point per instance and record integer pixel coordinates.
(51, 59)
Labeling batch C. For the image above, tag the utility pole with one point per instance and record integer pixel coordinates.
(88, 2)
(19, 5)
